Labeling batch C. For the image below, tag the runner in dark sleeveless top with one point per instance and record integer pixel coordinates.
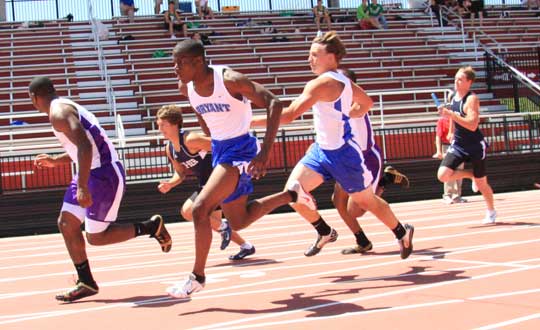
(468, 144)
(189, 151)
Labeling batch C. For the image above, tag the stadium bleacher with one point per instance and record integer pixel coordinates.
(399, 67)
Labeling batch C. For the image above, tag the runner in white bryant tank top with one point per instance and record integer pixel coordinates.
(222, 101)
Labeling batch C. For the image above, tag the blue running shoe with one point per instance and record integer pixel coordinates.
(225, 231)
(243, 253)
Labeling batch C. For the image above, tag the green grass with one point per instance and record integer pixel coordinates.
(525, 105)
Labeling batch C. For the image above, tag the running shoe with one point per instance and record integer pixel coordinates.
(397, 177)
(320, 243)
(405, 250)
(81, 290)
(358, 249)
(185, 290)
(243, 253)
(226, 232)
(161, 235)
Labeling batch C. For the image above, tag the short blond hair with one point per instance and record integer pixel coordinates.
(333, 44)
(469, 72)
(171, 113)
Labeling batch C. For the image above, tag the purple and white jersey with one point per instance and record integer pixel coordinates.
(362, 133)
(103, 152)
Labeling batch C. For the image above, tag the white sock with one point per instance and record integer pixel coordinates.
(246, 246)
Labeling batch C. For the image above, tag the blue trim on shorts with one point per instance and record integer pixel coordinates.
(242, 148)
(345, 165)
(237, 151)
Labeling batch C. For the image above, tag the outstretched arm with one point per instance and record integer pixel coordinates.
(310, 95)
(237, 83)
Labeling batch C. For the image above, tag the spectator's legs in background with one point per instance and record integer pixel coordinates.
(328, 22)
(382, 21)
(157, 6)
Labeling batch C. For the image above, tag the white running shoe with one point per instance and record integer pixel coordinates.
(491, 217)
(185, 290)
(303, 197)
(447, 199)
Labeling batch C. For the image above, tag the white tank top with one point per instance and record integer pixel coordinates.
(331, 119)
(103, 151)
(225, 116)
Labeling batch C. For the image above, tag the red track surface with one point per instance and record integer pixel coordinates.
(462, 275)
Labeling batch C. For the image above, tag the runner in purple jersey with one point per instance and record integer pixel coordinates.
(94, 195)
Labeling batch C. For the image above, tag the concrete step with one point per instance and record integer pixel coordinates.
(95, 62)
(128, 132)
(419, 22)
(96, 95)
(98, 73)
(125, 119)
(466, 53)
(485, 96)
(458, 45)
(474, 64)
(100, 83)
(85, 27)
(104, 106)
(94, 52)
(82, 35)
(493, 108)
(86, 44)
(439, 29)
(446, 38)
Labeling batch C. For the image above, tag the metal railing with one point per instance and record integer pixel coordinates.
(102, 64)
(378, 113)
(24, 10)
(39, 10)
(444, 14)
(510, 84)
(149, 162)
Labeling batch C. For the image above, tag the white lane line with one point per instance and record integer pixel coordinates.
(348, 314)
(179, 244)
(237, 293)
(282, 268)
(505, 294)
(487, 263)
(463, 211)
(510, 322)
(187, 259)
(223, 325)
